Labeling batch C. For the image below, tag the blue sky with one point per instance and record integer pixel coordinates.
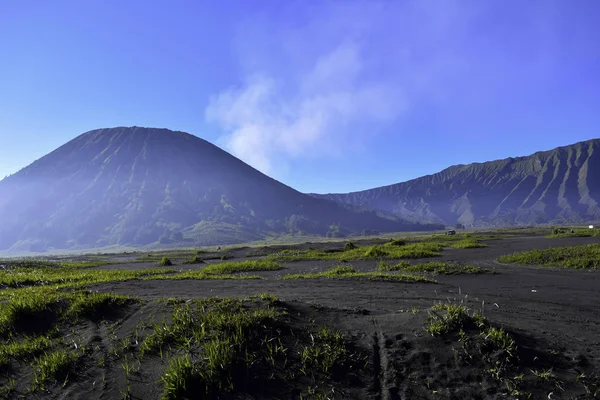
(325, 96)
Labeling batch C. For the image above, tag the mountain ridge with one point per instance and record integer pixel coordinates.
(479, 185)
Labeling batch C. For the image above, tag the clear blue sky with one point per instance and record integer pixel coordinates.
(324, 96)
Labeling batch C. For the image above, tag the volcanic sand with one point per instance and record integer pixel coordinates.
(553, 313)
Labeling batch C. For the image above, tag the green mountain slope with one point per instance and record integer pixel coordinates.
(138, 186)
(556, 186)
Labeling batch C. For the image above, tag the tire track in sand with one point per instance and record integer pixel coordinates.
(381, 366)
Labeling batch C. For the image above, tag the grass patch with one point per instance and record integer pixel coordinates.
(467, 244)
(242, 266)
(385, 251)
(178, 376)
(574, 257)
(24, 349)
(215, 346)
(61, 278)
(326, 348)
(436, 268)
(201, 275)
(478, 344)
(449, 318)
(568, 232)
(397, 242)
(28, 314)
(40, 310)
(96, 306)
(347, 272)
(57, 263)
(53, 366)
(393, 251)
(495, 346)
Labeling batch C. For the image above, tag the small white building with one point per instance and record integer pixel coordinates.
(591, 226)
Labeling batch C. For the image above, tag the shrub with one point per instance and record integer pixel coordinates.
(397, 242)
(195, 260)
(165, 262)
(375, 251)
(350, 246)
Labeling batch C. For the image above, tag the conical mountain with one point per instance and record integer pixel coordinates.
(138, 186)
(559, 186)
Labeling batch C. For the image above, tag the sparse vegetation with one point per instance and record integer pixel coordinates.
(479, 343)
(575, 257)
(53, 329)
(217, 344)
(347, 272)
(436, 268)
(467, 244)
(326, 348)
(23, 278)
(573, 232)
(386, 251)
(242, 266)
(201, 275)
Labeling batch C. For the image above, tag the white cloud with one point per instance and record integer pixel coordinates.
(265, 125)
(332, 76)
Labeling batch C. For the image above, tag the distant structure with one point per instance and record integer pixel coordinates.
(591, 226)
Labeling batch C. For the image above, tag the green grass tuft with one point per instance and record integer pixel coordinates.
(165, 262)
(53, 366)
(448, 318)
(178, 378)
(325, 350)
